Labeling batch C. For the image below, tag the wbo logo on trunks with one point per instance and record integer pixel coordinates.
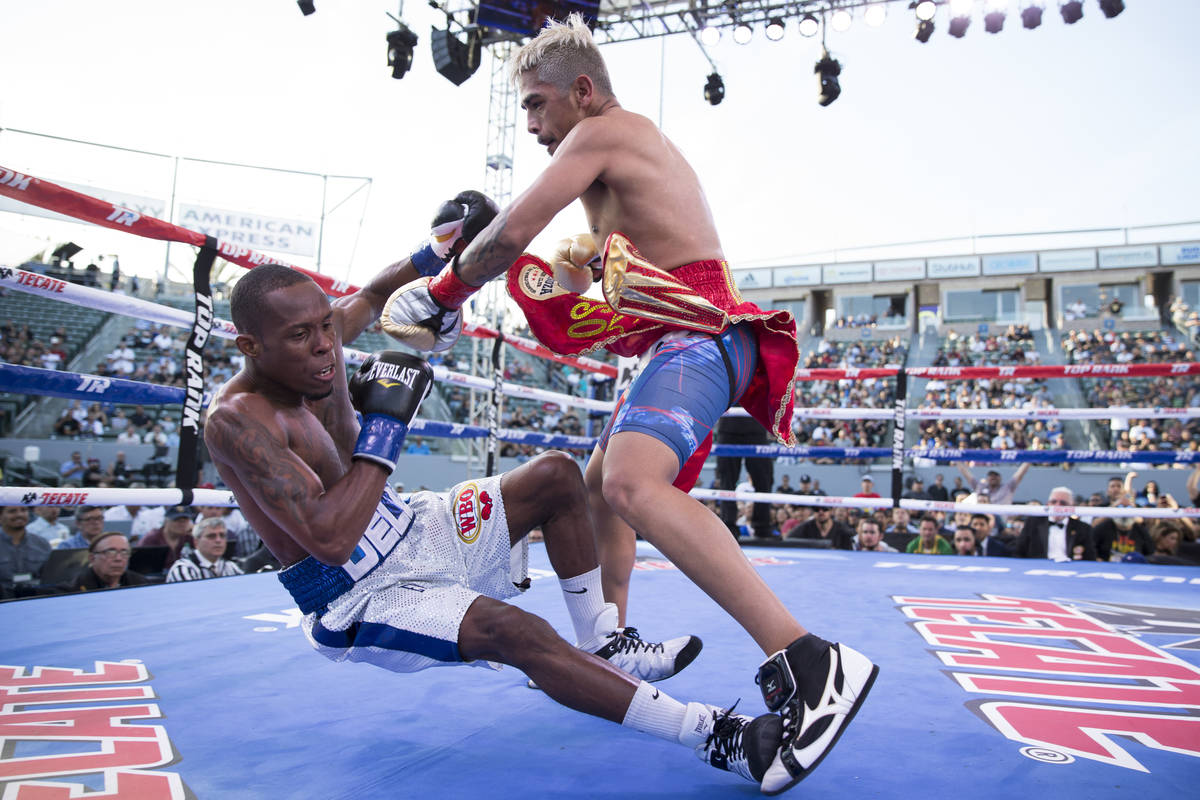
(470, 508)
(1067, 683)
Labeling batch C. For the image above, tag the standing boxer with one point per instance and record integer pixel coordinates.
(670, 299)
(409, 585)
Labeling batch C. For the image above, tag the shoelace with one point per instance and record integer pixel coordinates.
(628, 640)
(726, 734)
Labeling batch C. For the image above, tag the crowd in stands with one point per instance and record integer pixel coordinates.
(1014, 347)
(1085, 537)
(847, 393)
(1138, 347)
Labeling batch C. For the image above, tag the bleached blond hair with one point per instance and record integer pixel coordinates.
(560, 53)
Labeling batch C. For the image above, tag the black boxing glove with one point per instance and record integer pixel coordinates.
(388, 389)
(455, 225)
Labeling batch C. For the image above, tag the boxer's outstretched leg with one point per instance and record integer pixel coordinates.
(548, 492)
(496, 631)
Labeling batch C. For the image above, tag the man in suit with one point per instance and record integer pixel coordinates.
(1058, 537)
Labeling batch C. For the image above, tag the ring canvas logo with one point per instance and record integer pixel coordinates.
(1068, 683)
(67, 729)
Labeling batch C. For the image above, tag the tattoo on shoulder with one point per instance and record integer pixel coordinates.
(248, 447)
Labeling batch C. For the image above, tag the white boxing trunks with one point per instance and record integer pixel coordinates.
(399, 601)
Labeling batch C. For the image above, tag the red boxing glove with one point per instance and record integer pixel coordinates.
(450, 291)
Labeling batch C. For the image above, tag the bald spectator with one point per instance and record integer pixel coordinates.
(993, 486)
(1057, 537)
(22, 554)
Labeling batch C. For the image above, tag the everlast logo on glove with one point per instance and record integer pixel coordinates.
(383, 371)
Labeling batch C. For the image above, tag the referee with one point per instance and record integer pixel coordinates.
(206, 561)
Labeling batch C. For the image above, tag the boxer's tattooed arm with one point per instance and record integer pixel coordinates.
(275, 475)
(490, 254)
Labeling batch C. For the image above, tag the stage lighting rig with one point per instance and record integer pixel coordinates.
(306, 7)
(714, 90)
(775, 29)
(924, 30)
(827, 71)
(401, 43)
(994, 14)
(1031, 13)
(1071, 10)
(960, 17)
(1112, 7)
(809, 25)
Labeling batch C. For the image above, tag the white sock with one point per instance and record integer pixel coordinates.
(655, 712)
(584, 597)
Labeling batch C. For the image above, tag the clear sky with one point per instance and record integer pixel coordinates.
(1065, 127)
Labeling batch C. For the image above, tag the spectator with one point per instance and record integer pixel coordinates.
(823, 527)
(46, 525)
(938, 490)
(870, 537)
(139, 419)
(785, 486)
(964, 541)
(866, 487)
(142, 519)
(72, 470)
(916, 489)
(993, 485)
(94, 474)
(108, 566)
(1115, 537)
(417, 447)
(902, 523)
(128, 436)
(928, 542)
(207, 559)
(118, 472)
(22, 554)
(989, 541)
(175, 534)
(1058, 537)
(89, 523)
(1167, 537)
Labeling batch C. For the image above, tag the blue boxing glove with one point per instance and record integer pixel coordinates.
(388, 389)
(455, 225)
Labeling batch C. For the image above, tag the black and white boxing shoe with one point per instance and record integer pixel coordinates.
(647, 661)
(817, 688)
(625, 649)
(742, 744)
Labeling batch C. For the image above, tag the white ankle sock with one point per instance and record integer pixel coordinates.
(653, 711)
(584, 597)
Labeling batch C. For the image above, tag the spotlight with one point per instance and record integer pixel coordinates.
(306, 7)
(925, 9)
(1112, 7)
(827, 70)
(924, 30)
(710, 36)
(742, 34)
(1031, 14)
(1071, 10)
(455, 60)
(875, 14)
(714, 90)
(841, 20)
(960, 17)
(400, 50)
(775, 29)
(993, 17)
(809, 25)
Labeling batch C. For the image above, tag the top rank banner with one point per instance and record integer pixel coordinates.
(146, 206)
(278, 234)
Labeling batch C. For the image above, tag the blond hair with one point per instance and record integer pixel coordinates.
(560, 53)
